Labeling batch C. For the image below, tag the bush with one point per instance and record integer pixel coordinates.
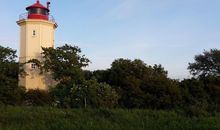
(89, 93)
(37, 98)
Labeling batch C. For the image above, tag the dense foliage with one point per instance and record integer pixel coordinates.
(89, 93)
(206, 64)
(126, 84)
(10, 93)
(140, 85)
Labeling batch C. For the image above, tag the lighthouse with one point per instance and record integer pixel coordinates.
(37, 30)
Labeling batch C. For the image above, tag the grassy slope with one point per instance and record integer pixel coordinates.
(26, 118)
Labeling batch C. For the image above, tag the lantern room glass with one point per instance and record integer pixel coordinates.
(38, 11)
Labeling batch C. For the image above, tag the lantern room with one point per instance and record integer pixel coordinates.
(38, 11)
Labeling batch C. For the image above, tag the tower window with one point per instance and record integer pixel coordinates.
(34, 33)
(33, 66)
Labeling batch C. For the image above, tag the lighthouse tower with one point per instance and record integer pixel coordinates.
(37, 30)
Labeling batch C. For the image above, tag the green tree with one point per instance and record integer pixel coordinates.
(161, 92)
(93, 94)
(206, 64)
(61, 95)
(207, 68)
(65, 63)
(195, 98)
(101, 75)
(10, 92)
(125, 76)
(143, 86)
(89, 93)
(212, 87)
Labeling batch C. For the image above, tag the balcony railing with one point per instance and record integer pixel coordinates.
(24, 16)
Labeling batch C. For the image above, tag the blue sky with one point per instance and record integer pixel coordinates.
(167, 32)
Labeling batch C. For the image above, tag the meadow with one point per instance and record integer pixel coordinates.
(46, 118)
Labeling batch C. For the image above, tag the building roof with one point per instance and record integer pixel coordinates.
(37, 5)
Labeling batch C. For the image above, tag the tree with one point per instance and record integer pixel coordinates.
(195, 97)
(206, 64)
(89, 93)
(161, 92)
(101, 75)
(65, 63)
(93, 94)
(142, 86)
(212, 87)
(10, 92)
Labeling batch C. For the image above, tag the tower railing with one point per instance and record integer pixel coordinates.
(24, 16)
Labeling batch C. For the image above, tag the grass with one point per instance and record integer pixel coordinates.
(44, 118)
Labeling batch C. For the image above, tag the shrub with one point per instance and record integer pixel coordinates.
(37, 98)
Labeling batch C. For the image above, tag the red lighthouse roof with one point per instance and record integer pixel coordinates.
(37, 5)
(38, 11)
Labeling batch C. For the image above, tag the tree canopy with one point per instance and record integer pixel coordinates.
(206, 64)
(65, 63)
(140, 85)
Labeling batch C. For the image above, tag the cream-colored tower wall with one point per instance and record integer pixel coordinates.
(35, 34)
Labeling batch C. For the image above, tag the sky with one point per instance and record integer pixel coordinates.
(167, 32)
